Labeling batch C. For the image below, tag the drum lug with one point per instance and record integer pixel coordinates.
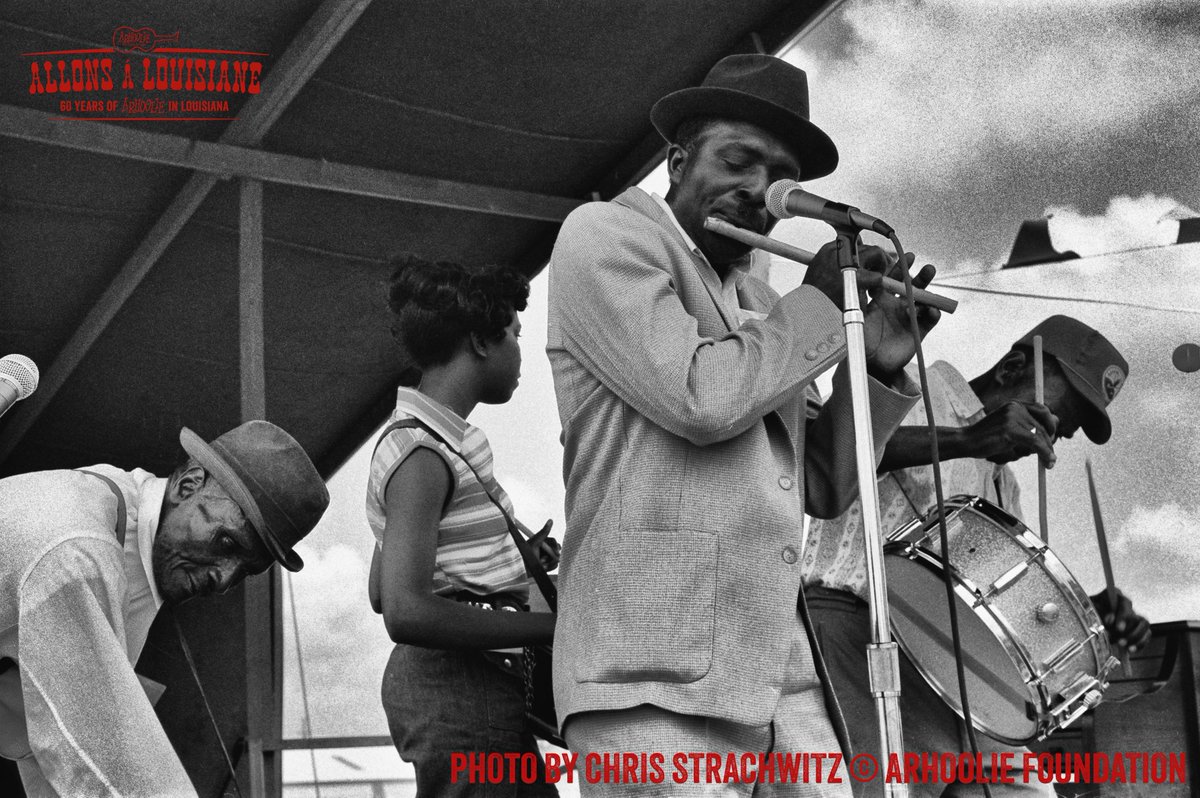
(1083, 694)
(1059, 658)
(1004, 581)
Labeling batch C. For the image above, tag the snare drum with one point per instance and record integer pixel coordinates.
(1035, 652)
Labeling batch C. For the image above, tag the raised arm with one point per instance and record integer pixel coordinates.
(621, 313)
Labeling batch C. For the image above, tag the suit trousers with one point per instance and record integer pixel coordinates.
(842, 625)
(801, 726)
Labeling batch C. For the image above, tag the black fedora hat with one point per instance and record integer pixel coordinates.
(760, 89)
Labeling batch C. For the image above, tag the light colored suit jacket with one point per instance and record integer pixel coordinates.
(688, 465)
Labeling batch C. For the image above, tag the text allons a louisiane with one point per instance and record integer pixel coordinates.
(155, 74)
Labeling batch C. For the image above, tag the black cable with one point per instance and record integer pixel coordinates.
(947, 577)
(312, 754)
(187, 654)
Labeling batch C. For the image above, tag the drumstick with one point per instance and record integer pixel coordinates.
(1110, 585)
(866, 279)
(1039, 396)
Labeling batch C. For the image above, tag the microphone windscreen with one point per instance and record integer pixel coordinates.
(776, 199)
(20, 371)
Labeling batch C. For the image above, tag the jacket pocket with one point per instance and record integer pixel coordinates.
(652, 608)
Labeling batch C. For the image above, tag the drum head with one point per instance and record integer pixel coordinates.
(1000, 702)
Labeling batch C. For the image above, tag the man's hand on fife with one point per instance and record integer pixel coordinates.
(824, 275)
(888, 335)
(1014, 430)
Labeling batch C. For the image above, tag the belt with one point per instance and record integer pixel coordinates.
(509, 659)
(495, 601)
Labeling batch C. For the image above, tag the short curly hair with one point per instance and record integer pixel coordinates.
(692, 129)
(436, 304)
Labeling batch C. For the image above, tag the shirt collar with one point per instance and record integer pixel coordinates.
(151, 492)
(441, 419)
(737, 270)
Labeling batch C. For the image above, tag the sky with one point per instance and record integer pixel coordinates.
(956, 120)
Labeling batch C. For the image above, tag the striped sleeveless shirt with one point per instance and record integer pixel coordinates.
(475, 551)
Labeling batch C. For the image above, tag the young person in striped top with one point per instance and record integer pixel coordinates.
(448, 568)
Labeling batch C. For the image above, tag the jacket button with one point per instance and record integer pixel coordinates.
(789, 555)
(835, 338)
(785, 483)
(822, 347)
(811, 354)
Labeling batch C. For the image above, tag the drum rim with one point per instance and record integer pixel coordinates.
(999, 628)
(968, 591)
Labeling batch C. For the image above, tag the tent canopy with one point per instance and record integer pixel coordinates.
(449, 130)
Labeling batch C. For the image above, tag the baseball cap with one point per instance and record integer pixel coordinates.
(1091, 364)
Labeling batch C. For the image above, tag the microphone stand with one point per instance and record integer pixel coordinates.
(883, 659)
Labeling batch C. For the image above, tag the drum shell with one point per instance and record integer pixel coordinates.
(1048, 640)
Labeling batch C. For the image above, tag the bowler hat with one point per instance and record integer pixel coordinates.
(1092, 365)
(760, 89)
(269, 475)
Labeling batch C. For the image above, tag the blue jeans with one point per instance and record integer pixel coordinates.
(442, 702)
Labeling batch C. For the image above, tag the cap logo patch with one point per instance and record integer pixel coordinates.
(1112, 381)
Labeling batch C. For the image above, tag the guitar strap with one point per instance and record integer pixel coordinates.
(533, 566)
(534, 716)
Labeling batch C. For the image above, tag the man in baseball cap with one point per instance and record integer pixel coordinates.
(983, 424)
(1090, 365)
(90, 557)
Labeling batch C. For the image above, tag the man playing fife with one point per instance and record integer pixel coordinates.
(982, 424)
(89, 557)
(689, 464)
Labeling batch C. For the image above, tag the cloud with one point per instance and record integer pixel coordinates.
(343, 644)
(957, 119)
(1127, 223)
(1149, 539)
(1004, 73)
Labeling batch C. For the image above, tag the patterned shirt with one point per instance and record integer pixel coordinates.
(835, 554)
(475, 551)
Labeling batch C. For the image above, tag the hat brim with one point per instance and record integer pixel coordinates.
(228, 479)
(816, 152)
(1097, 425)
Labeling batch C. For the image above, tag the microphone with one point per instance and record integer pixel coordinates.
(785, 199)
(18, 379)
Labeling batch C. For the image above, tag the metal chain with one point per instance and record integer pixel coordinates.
(528, 674)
